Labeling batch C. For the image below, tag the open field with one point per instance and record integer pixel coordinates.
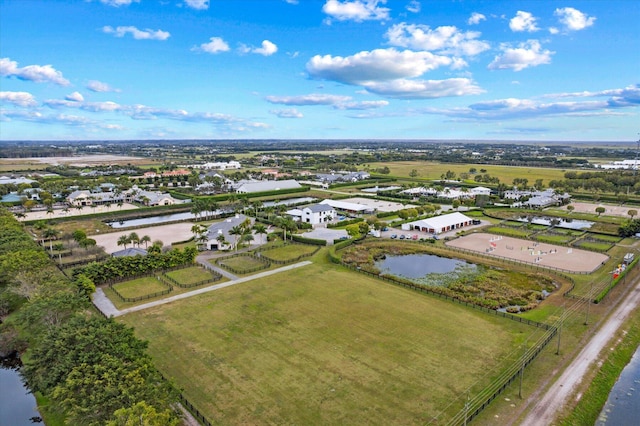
(433, 170)
(568, 259)
(166, 233)
(191, 275)
(320, 345)
(72, 211)
(77, 161)
(289, 251)
(610, 209)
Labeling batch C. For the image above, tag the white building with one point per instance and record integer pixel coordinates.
(267, 185)
(215, 231)
(439, 224)
(349, 207)
(231, 165)
(314, 214)
(480, 190)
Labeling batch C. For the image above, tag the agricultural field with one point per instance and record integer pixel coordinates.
(191, 275)
(140, 287)
(428, 170)
(288, 252)
(321, 345)
(242, 264)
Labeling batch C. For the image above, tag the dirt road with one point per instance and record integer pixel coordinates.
(545, 411)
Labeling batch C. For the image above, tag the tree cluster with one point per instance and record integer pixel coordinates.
(125, 266)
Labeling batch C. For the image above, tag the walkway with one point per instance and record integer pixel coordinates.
(107, 308)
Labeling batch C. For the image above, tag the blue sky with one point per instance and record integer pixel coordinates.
(319, 69)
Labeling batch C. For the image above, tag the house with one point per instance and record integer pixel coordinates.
(314, 214)
(439, 224)
(131, 251)
(266, 185)
(480, 190)
(88, 198)
(156, 198)
(215, 231)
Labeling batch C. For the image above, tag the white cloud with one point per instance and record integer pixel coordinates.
(528, 54)
(446, 39)
(424, 89)
(573, 19)
(35, 73)
(22, 99)
(553, 30)
(215, 45)
(523, 21)
(137, 34)
(118, 3)
(305, 100)
(287, 113)
(75, 97)
(414, 6)
(628, 96)
(376, 65)
(356, 10)
(360, 106)
(98, 86)
(268, 48)
(476, 18)
(292, 1)
(197, 4)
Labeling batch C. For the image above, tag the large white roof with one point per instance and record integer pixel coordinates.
(439, 222)
(343, 205)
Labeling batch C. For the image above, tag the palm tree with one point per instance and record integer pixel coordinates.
(51, 234)
(134, 239)
(260, 229)
(237, 231)
(221, 240)
(146, 240)
(123, 240)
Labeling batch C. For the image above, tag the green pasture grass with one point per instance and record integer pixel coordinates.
(608, 238)
(553, 239)
(323, 345)
(289, 251)
(241, 263)
(514, 223)
(431, 170)
(190, 275)
(140, 287)
(591, 245)
(510, 232)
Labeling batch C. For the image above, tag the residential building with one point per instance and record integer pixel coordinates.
(314, 214)
(215, 231)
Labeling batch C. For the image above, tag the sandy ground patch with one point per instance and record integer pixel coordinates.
(326, 234)
(58, 213)
(382, 206)
(168, 234)
(610, 209)
(542, 254)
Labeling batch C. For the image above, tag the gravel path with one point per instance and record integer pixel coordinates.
(105, 305)
(545, 411)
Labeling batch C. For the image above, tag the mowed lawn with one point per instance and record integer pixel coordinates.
(322, 345)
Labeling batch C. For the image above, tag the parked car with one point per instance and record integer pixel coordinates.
(385, 229)
(394, 236)
(402, 237)
(414, 237)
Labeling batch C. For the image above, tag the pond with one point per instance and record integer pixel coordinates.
(623, 406)
(415, 266)
(17, 406)
(575, 224)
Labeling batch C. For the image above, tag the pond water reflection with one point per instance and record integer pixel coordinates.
(17, 406)
(575, 224)
(419, 265)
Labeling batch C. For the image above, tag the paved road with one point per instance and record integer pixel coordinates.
(545, 411)
(105, 305)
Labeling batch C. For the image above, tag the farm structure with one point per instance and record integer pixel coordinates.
(439, 224)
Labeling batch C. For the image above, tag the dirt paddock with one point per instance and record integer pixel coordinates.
(542, 254)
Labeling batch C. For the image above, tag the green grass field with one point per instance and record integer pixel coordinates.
(140, 287)
(509, 232)
(289, 251)
(433, 170)
(242, 263)
(190, 275)
(321, 345)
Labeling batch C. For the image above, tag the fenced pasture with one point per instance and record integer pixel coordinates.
(566, 259)
(324, 345)
(243, 263)
(140, 289)
(288, 253)
(192, 276)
